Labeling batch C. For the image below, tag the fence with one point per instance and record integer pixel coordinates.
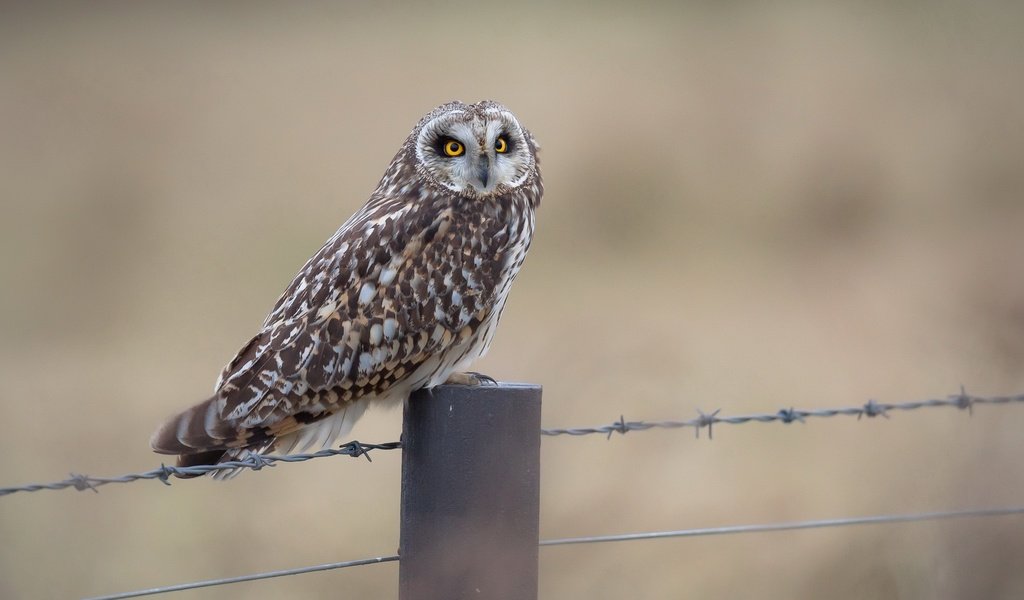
(470, 488)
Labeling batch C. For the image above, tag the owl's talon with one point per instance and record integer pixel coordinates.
(482, 378)
(470, 378)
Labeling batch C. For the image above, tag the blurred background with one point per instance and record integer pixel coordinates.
(750, 206)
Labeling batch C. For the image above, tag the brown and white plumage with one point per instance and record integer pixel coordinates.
(407, 291)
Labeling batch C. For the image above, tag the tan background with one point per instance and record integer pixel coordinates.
(748, 207)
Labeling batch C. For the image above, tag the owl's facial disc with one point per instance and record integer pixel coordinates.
(475, 152)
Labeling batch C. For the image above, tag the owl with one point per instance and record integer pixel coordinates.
(405, 295)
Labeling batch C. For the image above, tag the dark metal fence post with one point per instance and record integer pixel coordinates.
(470, 493)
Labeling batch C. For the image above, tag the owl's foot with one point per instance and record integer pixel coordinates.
(470, 378)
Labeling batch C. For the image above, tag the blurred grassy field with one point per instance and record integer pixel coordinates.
(748, 207)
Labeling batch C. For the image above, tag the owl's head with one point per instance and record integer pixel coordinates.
(474, 149)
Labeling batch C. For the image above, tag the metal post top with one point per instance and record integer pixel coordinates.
(501, 390)
(504, 385)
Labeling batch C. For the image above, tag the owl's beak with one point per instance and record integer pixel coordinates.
(483, 171)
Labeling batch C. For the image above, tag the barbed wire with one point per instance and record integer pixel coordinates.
(650, 535)
(872, 408)
(164, 472)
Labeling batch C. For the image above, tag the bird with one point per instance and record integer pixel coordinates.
(404, 296)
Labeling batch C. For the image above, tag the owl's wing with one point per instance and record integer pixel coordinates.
(387, 294)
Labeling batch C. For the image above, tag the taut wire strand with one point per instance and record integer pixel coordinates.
(625, 537)
(872, 408)
(254, 577)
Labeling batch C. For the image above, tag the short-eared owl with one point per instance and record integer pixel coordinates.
(405, 295)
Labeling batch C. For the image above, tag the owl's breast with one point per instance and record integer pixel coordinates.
(469, 266)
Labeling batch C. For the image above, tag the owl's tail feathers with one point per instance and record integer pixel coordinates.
(197, 429)
(200, 437)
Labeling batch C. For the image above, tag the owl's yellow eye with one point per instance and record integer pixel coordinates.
(500, 145)
(454, 148)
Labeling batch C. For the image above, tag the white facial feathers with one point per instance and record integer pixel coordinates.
(490, 151)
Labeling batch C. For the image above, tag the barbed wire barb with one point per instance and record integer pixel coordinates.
(705, 420)
(965, 401)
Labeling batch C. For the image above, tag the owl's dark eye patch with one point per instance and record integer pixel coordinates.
(504, 143)
(449, 147)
